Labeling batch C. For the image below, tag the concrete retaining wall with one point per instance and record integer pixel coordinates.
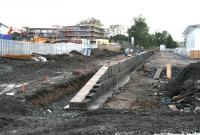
(106, 78)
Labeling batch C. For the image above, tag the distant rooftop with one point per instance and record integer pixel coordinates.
(39, 28)
(83, 25)
(190, 28)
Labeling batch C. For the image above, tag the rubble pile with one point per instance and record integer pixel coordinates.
(184, 90)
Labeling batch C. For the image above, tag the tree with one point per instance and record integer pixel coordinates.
(119, 38)
(165, 38)
(169, 42)
(152, 40)
(91, 21)
(114, 30)
(140, 31)
(161, 37)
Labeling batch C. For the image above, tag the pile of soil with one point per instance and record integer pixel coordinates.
(103, 53)
(187, 77)
(184, 90)
(63, 57)
(76, 53)
(77, 56)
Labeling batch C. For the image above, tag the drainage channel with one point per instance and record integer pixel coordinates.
(51, 93)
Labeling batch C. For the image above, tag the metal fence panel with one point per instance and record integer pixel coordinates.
(10, 47)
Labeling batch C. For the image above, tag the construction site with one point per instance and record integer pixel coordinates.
(105, 93)
(86, 78)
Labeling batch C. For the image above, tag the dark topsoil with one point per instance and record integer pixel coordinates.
(186, 80)
(18, 117)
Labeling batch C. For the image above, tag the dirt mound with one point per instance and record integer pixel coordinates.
(57, 57)
(187, 77)
(73, 55)
(103, 53)
(76, 53)
(184, 90)
(77, 56)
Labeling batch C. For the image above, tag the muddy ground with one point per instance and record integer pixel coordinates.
(133, 109)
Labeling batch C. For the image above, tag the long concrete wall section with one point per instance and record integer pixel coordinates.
(106, 78)
(79, 100)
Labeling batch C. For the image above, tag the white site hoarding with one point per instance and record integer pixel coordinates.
(9, 47)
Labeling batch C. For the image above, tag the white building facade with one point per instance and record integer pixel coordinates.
(192, 38)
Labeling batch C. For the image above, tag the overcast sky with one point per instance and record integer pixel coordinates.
(170, 15)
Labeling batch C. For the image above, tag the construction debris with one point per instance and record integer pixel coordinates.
(37, 57)
(157, 74)
(185, 89)
(76, 53)
(173, 107)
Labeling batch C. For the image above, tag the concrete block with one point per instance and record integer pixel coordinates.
(105, 76)
(107, 84)
(129, 63)
(95, 90)
(123, 65)
(114, 69)
(121, 74)
(90, 95)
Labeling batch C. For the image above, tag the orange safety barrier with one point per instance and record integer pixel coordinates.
(22, 57)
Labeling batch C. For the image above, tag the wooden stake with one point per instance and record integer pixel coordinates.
(169, 71)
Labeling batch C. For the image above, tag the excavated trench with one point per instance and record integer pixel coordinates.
(52, 93)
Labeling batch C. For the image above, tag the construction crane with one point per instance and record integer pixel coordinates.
(9, 30)
(1, 24)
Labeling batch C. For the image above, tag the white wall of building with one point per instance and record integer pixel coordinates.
(193, 40)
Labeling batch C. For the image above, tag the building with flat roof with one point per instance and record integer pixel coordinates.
(87, 31)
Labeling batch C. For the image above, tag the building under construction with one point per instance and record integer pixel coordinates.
(88, 31)
(91, 32)
(49, 33)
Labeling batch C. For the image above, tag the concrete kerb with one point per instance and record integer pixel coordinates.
(107, 78)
